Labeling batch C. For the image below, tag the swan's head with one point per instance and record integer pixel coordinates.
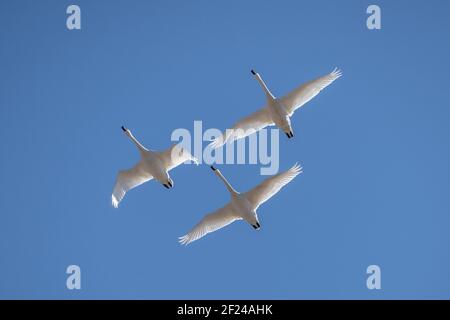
(127, 131)
(216, 171)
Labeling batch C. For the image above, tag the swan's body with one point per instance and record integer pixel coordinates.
(153, 165)
(278, 111)
(242, 206)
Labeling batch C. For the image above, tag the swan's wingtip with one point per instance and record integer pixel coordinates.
(184, 240)
(214, 144)
(337, 72)
(114, 202)
(297, 168)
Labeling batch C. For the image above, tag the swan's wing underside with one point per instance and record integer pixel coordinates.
(127, 180)
(176, 155)
(210, 223)
(245, 127)
(298, 97)
(271, 186)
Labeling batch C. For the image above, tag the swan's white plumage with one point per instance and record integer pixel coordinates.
(271, 186)
(176, 155)
(240, 206)
(210, 223)
(304, 93)
(153, 164)
(127, 180)
(245, 127)
(284, 108)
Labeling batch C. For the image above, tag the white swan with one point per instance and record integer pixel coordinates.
(277, 111)
(153, 164)
(241, 206)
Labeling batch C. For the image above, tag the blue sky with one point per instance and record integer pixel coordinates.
(374, 146)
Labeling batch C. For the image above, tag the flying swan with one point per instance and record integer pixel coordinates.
(278, 111)
(241, 206)
(153, 164)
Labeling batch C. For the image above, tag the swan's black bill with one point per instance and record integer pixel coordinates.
(213, 169)
(253, 72)
(124, 129)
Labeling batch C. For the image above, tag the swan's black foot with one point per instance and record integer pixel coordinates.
(255, 227)
(170, 183)
(289, 134)
(213, 169)
(165, 185)
(253, 72)
(258, 225)
(124, 129)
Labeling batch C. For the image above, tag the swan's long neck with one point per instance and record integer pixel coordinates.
(137, 143)
(269, 94)
(227, 184)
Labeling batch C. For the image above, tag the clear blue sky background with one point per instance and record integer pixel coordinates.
(374, 146)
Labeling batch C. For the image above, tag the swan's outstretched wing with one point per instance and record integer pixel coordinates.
(307, 91)
(176, 155)
(210, 223)
(127, 180)
(271, 186)
(245, 127)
